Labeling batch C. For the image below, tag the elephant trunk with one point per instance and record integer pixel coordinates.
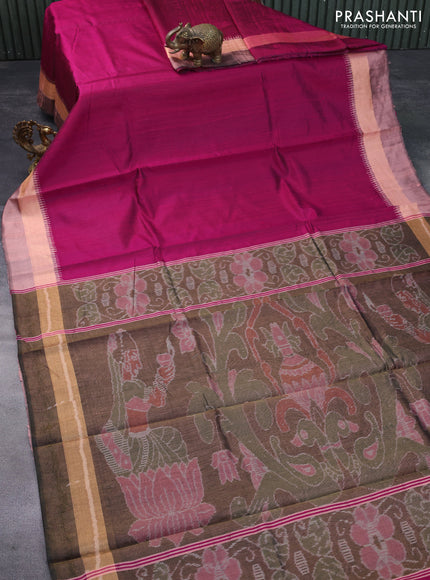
(171, 43)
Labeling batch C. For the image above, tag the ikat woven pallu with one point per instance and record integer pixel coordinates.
(222, 300)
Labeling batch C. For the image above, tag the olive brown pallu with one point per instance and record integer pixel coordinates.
(221, 291)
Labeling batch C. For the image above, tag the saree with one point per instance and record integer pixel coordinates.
(220, 281)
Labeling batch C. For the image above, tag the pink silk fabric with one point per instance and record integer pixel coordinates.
(152, 165)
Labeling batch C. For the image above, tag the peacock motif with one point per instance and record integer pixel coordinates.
(23, 136)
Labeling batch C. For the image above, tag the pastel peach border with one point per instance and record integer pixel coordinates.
(38, 257)
(15, 246)
(26, 239)
(409, 204)
(289, 38)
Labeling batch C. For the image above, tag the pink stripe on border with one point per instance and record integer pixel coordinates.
(382, 270)
(172, 310)
(244, 533)
(422, 574)
(304, 36)
(193, 307)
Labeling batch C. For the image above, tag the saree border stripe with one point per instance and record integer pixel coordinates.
(49, 99)
(373, 148)
(89, 521)
(269, 258)
(258, 528)
(87, 509)
(36, 228)
(391, 133)
(236, 47)
(47, 87)
(201, 257)
(235, 52)
(307, 236)
(61, 331)
(15, 245)
(304, 36)
(26, 288)
(417, 575)
(412, 204)
(421, 230)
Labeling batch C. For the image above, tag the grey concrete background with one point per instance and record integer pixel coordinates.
(22, 550)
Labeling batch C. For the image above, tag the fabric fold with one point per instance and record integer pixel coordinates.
(252, 32)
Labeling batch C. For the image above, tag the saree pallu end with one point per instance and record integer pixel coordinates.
(306, 424)
(261, 430)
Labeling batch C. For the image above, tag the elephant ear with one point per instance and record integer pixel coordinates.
(197, 40)
(185, 32)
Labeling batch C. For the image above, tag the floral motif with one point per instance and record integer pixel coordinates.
(380, 551)
(202, 281)
(217, 565)
(225, 462)
(166, 502)
(254, 466)
(357, 250)
(183, 332)
(248, 274)
(131, 295)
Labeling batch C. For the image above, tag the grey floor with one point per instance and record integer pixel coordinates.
(22, 551)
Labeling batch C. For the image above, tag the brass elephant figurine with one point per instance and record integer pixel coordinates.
(198, 40)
